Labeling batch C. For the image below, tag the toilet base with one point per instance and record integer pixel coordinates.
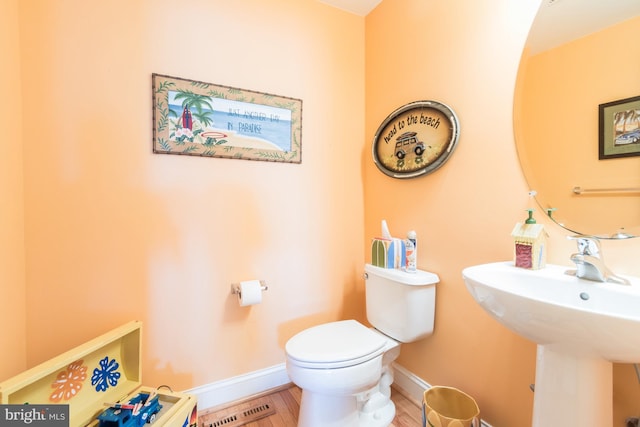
(370, 409)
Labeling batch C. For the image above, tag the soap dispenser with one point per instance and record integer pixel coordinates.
(531, 219)
(530, 244)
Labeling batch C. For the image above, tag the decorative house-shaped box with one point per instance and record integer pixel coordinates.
(530, 246)
(388, 253)
(101, 375)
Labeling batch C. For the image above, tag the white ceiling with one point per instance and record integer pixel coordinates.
(557, 22)
(560, 21)
(358, 7)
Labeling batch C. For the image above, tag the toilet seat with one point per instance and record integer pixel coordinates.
(335, 345)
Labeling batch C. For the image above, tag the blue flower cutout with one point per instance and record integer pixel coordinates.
(106, 375)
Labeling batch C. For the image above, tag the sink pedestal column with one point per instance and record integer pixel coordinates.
(572, 390)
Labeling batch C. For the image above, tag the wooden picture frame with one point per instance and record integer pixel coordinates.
(619, 128)
(204, 119)
(415, 139)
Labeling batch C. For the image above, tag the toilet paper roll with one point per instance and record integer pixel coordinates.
(250, 293)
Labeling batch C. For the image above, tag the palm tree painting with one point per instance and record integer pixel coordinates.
(190, 122)
(204, 119)
(626, 125)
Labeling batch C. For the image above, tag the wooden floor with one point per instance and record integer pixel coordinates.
(286, 403)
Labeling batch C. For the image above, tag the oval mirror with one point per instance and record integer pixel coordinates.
(580, 56)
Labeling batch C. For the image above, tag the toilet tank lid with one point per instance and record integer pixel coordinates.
(419, 278)
(340, 341)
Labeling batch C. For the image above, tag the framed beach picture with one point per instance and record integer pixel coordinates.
(619, 125)
(204, 119)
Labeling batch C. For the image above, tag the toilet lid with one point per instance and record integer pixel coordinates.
(335, 344)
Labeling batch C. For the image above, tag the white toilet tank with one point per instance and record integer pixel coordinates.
(399, 304)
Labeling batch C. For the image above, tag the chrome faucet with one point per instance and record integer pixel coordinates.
(590, 263)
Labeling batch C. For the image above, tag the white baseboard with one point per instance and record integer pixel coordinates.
(243, 386)
(412, 386)
(240, 387)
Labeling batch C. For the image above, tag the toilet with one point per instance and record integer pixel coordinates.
(344, 368)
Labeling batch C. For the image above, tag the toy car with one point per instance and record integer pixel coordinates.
(405, 141)
(628, 138)
(141, 409)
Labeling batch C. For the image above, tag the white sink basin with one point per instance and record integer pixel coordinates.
(580, 327)
(549, 307)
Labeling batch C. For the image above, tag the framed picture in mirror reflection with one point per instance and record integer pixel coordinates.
(619, 128)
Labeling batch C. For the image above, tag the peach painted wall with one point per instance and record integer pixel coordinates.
(115, 232)
(12, 264)
(465, 54)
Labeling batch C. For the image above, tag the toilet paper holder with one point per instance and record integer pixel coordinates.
(235, 287)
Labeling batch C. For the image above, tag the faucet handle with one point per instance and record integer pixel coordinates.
(587, 245)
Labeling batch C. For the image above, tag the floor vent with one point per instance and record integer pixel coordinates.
(224, 421)
(238, 415)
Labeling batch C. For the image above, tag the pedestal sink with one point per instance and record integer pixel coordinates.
(580, 326)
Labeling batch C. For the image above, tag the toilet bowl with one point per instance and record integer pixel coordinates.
(343, 369)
